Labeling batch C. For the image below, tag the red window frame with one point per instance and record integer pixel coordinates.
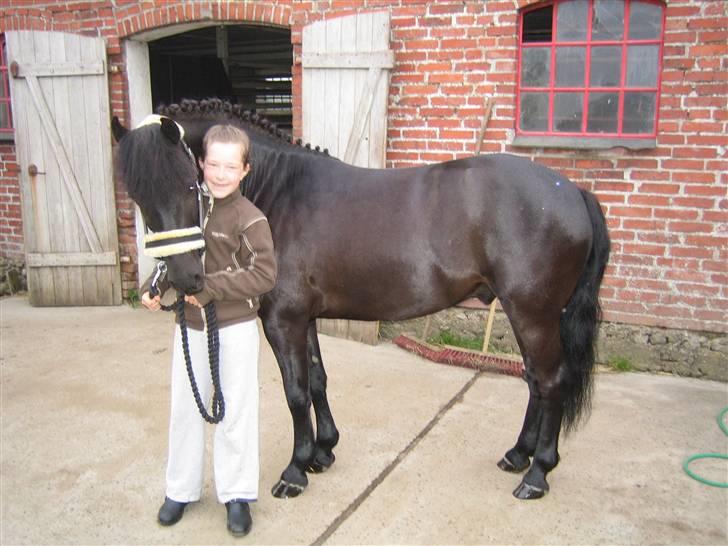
(5, 90)
(586, 88)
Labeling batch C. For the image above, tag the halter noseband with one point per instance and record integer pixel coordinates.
(174, 241)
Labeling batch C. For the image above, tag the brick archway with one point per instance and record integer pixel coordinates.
(135, 19)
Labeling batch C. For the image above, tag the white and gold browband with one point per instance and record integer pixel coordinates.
(174, 241)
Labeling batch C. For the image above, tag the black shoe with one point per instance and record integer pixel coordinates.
(171, 512)
(239, 521)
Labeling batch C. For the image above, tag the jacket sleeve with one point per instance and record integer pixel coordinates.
(251, 279)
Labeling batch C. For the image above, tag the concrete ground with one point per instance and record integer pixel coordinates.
(84, 408)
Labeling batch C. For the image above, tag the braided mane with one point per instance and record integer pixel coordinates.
(214, 107)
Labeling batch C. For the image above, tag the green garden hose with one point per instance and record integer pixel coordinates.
(692, 458)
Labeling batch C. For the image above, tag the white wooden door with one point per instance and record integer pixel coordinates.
(60, 101)
(346, 64)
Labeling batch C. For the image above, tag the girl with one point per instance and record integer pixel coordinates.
(239, 266)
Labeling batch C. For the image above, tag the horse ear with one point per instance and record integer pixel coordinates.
(170, 130)
(117, 129)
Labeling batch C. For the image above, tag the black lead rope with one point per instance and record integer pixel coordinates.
(213, 350)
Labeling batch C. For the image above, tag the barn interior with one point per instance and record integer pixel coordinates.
(249, 65)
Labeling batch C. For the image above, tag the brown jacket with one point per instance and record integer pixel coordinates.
(239, 261)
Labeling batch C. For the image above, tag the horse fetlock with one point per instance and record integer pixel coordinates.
(514, 461)
(322, 461)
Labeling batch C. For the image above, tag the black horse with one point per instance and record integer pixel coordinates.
(392, 244)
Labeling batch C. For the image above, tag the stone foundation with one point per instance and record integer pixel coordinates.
(681, 352)
(12, 277)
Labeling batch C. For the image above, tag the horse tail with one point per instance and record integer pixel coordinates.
(579, 325)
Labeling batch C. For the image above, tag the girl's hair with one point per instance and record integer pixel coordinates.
(227, 134)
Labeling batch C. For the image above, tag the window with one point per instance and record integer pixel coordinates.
(6, 121)
(589, 73)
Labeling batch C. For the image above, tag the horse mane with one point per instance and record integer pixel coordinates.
(145, 156)
(224, 109)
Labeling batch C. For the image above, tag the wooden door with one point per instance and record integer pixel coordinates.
(60, 101)
(346, 63)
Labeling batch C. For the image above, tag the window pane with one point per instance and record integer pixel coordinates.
(603, 110)
(606, 66)
(570, 66)
(639, 113)
(535, 64)
(568, 111)
(537, 25)
(534, 111)
(608, 20)
(645, 21)
(642, 64)
(3, 88)
(571, 20)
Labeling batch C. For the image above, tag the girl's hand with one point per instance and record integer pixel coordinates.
(193, 301)
(153, 304)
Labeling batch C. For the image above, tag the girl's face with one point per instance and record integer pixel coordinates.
(223, 168)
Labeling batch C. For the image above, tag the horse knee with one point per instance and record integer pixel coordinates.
(298, 400)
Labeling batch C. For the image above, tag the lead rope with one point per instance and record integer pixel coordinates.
(213, 350)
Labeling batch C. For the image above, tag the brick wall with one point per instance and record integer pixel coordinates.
(667, 207)
(11, 221)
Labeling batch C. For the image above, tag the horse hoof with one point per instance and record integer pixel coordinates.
(286, 490)
(321, 463)
(506, 465)
(529, 492)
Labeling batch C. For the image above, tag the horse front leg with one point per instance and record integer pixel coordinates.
(327, 435)
(288, 341)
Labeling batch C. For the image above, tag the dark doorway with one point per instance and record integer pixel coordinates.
(247, 64)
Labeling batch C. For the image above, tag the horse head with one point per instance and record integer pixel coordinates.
(160, 175)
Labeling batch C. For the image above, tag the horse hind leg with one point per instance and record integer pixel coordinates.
(541, 348)
(327, 435)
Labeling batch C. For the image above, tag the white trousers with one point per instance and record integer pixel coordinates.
(235, 447)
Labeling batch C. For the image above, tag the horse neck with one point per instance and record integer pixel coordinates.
(276, 169)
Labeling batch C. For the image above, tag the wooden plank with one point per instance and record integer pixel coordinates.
(65, 229)
(367, 59)
(333, 114)
(377, 152)
(70, 259)
(60, 69)
(38, 48)
(363, 43)
(102, 185)
(361, 117)
(16, 43)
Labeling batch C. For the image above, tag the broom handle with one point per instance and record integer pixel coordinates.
(491, 309)
(489, 325)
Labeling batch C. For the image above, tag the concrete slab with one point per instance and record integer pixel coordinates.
(620, 480)
(84, 424)
(84, 408)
